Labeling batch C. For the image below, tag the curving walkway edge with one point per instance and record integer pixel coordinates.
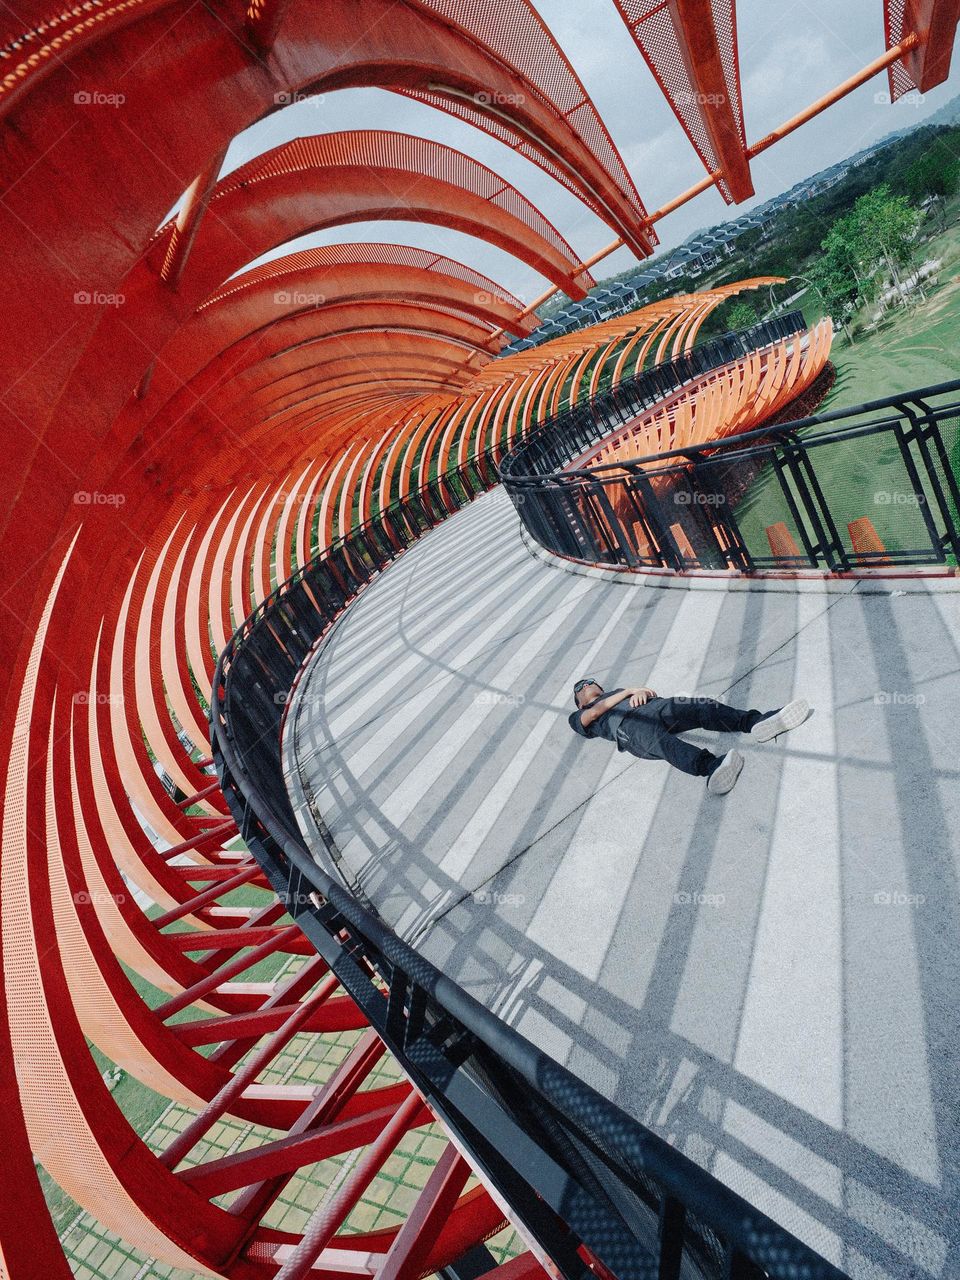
(769, 980)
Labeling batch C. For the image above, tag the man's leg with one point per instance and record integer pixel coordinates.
(681, 754)
(650, 742)
(679, 715)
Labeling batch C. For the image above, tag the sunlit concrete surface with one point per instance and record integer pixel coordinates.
(770, 979)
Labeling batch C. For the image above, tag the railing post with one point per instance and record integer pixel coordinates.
(923, 428)
(613, 522)
(602, 1195)
(670, 553)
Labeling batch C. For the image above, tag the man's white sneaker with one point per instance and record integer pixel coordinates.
(788, 717)
(724, 777)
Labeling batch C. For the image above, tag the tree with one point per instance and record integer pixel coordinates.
(841, 267)
(883, 230)
(878, 232)
(935, 173)
(742, 316)
(836, 285)
(748, 240)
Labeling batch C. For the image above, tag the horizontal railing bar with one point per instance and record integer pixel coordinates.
(259, 664)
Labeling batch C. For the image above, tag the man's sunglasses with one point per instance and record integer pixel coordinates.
(582, 684)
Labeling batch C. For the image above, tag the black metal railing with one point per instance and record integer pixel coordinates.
(870, 487)
(556, 440)
(593, 1186)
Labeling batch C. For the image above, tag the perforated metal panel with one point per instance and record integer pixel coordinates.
(656, 30)
(381, 149)
(898, 77)
(514, 33)
(339, 255)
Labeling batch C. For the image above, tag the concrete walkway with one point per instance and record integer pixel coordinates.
(770, 980)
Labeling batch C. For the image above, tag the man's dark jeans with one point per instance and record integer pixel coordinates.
(650, 731)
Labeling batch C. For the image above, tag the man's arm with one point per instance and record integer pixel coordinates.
(589, 715)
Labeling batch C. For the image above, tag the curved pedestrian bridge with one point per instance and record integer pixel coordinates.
(769, 979)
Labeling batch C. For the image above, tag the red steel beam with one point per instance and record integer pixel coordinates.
(932, 27)
(699, 75)
(333, 1212)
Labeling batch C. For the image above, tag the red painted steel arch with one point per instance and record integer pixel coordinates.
(174, 442)
(365, 175)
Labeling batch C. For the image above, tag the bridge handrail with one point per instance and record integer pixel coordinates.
(589, 1183)
(608, 410)
(680, 509)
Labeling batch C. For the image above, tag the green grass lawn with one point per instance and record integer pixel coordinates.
(915, 347)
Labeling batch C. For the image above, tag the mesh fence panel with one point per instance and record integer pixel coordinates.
(945, 465)
(755, 499)
(685, 511)
(866, 486)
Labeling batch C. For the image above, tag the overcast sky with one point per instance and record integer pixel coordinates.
(790, 53)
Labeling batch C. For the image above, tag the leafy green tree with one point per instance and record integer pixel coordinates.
(748, 240)
(875, 236)
(836, 284)
(934, 173)
(741, 316)
(883, 229)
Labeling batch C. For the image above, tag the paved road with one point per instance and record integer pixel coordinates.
(770, 980)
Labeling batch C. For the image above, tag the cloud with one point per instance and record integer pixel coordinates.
(790, 54)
